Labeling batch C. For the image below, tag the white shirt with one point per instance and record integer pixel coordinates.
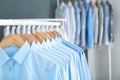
(62, 12)
(72, 22)
(95, 23)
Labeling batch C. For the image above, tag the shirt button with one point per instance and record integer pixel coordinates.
(11, 64)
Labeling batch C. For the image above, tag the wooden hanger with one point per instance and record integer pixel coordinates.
(37, 37)
(42, 35)
(23, 37)
(54, 33)
(27, 37)
(11, 39)
(50, 33)
(48, 36)
(57, 33)
(32, 37)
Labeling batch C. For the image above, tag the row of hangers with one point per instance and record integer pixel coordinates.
(29, 29)
(19, 39)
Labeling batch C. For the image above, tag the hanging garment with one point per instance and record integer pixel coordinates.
(111, 32)
(62, 12)
(63, 49)
(100, 24)
(28, 62)
(85, 5)
(89, 28)
(72, 22)
(53, 58)
(83, 24)
(39, 49)
(106, 23)
(55, 47)
(22, 64)
(81, 53)
(78, 27)
(95, 23)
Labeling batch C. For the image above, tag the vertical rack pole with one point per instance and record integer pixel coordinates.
(110, 64)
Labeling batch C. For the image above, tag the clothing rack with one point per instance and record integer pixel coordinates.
(56, 22)
(13, 26)
(110, 62)
(109, 53)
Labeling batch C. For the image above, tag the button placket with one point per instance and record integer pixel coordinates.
(11, 64)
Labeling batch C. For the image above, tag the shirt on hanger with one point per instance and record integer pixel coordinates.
(83, 24)
(81, 52)
(106, 23)
(26, 62)
(53, 52)
(57, 61)
(89, 28)
(95, 24)
(17, 64)
(111, 32)
(72, 22)
(68, 51)
(62, 12)
(62, 49)
(78, 27)
(100, 24)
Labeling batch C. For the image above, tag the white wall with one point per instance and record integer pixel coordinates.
(98, 57)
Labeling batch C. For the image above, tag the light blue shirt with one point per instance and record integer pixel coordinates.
(18, 63)
(42, 49)
(64, 49)
(83, 24)
(63, 53)
(89, 28)
(59, 72)
(86, 73)
(78, 27)
(66, 59)
(106, 23)
(25, 64)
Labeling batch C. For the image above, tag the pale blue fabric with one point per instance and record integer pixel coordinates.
(89, 28)
(78, 27)
(47, 61)
(56, 53)
(64, 49)
(25, 64)
(58, 70)
(18, 64)
(78, 61)
(106, 23)
(83, 24)
(85, 5)
(86, 73)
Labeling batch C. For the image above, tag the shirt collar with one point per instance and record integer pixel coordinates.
(39, 45)
(62, 7)
(22, 53)
(3, 57)
(69, 4)
(34, 46)
(19, 56)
